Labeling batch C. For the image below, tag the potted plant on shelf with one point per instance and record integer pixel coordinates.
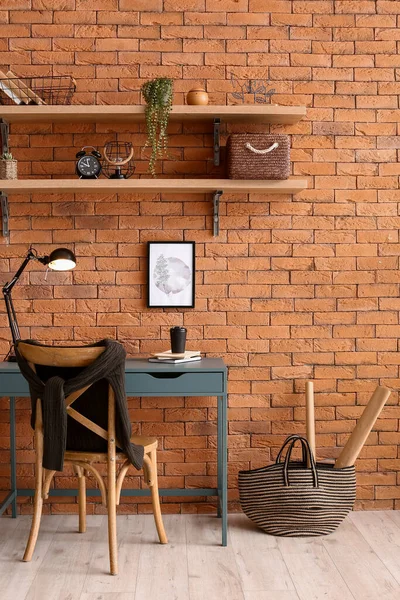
(158, 96)
(8, 166)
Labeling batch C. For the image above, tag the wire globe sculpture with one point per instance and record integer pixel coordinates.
(118, 161)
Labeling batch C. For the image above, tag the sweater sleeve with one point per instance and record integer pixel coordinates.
(134, 452)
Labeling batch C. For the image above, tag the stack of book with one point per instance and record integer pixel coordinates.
(169, 357)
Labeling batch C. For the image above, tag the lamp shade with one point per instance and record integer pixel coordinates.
(62, 259)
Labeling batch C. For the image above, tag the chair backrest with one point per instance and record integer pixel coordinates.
(72, 358)
(56, 356)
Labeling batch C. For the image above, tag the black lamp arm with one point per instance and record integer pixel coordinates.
(12, 317)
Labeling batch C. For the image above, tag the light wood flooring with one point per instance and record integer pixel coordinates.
(361, 561)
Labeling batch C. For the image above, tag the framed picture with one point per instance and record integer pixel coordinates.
(171, 274)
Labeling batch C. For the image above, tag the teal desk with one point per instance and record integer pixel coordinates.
(207, 377)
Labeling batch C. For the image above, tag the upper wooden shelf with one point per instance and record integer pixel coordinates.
(245, 113)
(21, 186)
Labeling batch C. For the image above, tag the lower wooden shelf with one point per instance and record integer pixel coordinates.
(112, 186)
(21, 186)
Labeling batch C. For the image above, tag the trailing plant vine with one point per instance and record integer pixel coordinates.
(158, 96)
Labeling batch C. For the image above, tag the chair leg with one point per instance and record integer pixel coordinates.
(38, 501)
(155, 498)
(82, 499)
(112, 517)
(111, 492)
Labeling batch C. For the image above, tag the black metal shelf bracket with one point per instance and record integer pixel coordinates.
(5, 132)
(4, 213)
(217, 123)
(216, 196)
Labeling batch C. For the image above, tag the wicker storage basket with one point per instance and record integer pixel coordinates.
(290, 499)
(258, 156)
(8, 169)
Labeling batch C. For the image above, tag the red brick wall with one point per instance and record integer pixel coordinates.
(293, 288)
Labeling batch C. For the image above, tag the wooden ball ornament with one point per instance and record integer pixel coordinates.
(197, 97)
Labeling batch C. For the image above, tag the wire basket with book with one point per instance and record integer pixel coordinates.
(36, 90)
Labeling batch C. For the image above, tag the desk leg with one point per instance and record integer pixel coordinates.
(219, 454)
(223, 465)
(13, 458)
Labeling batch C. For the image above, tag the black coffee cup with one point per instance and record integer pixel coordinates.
(178, 340)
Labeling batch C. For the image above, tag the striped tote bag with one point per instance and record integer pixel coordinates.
(290, 499)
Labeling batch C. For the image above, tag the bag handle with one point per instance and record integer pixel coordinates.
(265, 151)
(294, 436)
(307, 455)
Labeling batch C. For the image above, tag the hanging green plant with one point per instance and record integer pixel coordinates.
(158, 96)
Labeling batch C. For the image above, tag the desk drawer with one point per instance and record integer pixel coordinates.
(174, 384)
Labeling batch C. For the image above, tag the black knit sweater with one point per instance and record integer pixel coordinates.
(61, 432)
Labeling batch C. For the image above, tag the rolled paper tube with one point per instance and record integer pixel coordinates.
(365, 423)
(31, 97)
(18, 89)
(310, 419)
(11, 89)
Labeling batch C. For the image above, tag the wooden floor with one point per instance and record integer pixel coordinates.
(361, 561)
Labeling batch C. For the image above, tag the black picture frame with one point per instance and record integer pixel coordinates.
(171, 274)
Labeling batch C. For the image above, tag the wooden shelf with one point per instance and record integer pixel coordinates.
(21, 186)
(244, 113)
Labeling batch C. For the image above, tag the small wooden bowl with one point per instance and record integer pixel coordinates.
(197, 96)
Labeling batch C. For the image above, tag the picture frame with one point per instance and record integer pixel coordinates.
(171, 274)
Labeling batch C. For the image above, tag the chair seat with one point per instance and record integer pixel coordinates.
(149, 443)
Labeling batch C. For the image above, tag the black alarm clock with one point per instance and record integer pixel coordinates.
(88, 165)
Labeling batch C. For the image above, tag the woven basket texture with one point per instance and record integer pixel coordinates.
(8, 169)
(246, 163)
(289, 499)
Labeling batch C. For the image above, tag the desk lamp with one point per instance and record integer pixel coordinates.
(60, 259)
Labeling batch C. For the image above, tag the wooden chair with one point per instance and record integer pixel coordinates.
(83, 461)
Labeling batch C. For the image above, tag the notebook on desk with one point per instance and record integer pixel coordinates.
(172, 358)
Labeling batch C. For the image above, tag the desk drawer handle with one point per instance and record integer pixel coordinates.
(165, 375)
